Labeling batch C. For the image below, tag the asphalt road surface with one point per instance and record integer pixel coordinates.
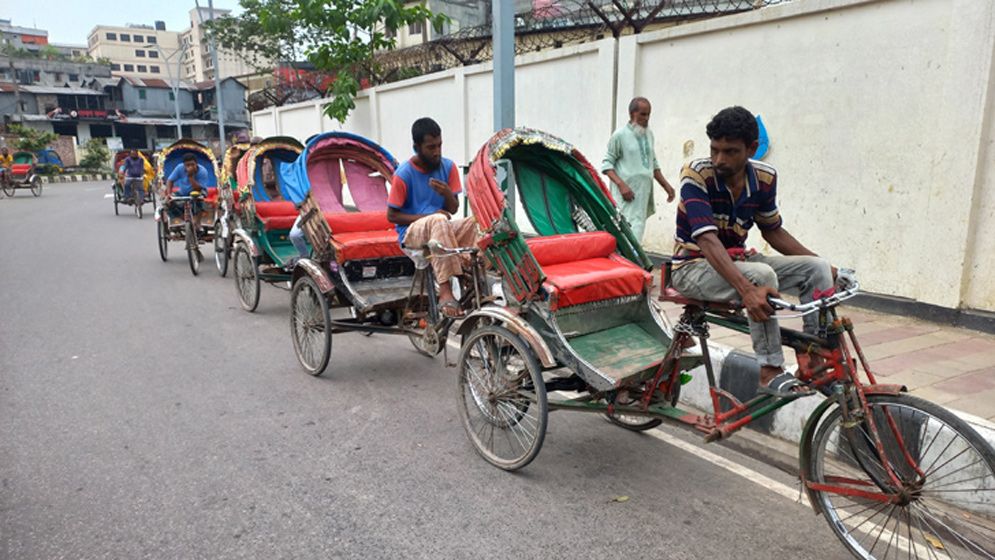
(143, 414)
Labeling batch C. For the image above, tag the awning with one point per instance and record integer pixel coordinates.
(60, 90)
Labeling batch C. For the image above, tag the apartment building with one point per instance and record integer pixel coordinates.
(197, 63)
(137, 51)
(18, 37)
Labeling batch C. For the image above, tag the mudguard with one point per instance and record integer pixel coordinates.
(310, 268)
(241, 236)
(515, 324)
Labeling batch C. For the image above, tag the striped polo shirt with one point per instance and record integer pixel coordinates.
(707, 205)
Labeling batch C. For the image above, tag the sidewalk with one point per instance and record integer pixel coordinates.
(951, 366)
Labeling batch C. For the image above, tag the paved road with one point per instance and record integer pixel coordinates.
(143, 414)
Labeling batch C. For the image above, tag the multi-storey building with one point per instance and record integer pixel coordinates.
(22, 37)
(197, 63)
(137, 51)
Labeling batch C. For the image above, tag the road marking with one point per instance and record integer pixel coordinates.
(751, 475)
(109, 195)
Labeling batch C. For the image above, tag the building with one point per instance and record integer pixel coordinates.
(29, 71)
(197, 63)
(71, 50)
(137, 51)
(25, 38)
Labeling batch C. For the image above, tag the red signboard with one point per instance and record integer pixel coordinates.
(90, 113)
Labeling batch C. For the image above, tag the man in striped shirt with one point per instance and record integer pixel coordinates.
(721, 198)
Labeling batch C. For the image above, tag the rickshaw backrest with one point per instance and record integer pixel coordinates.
(325, 176)
(351, 222)
(24, 158)
(175, 158)
(558, 249)
(20, 168)
(277, 208)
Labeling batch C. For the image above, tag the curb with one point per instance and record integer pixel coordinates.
(46, 179)
(739, 374)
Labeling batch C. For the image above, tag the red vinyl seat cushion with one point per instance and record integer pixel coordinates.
(20, 168)
(362, 235)
(583, 268)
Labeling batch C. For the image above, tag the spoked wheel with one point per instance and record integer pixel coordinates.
(9, 189)
(942, 508)
(36, 186)
(116, 202)
(220, 250)
(634, 423)
(502, 397)
(246, 278)
(310, 325)
(138, 209)
(163, 231)
(417, 318)
(191, 240)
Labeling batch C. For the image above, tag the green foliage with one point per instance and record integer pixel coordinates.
(340, 37)
(95, 155)
(103, 60)
(49, 52)
(30, 139)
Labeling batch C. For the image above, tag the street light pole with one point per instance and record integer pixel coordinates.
(217, 75)
(176, 83)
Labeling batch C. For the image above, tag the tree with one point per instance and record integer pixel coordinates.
(95, 155)
(30, 139)
(340, 37)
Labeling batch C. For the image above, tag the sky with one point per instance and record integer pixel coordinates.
(70, 21)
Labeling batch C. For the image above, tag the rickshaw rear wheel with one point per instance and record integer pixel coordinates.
(246, 278)
(163, 231)
(36, 186)
(9, 189)
(220, 250)
(634, 423)
(310, 325)
(502, 397)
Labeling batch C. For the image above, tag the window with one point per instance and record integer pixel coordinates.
(390, 33)
(150, 39)
(154, 69)
(129, 67)
(141, 93)
(153, 54)
(115, 67)
(138, 38)
(172, 96)
(73, 77)
(142, 68)
(111, 36)
(125, 38)
(140, 53)
(415, 28)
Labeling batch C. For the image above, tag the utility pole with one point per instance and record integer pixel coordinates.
(217, 77)
(503, 37)
(176, 82)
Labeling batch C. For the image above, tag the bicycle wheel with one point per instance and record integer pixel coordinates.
(502, 396)
(634, 423)
(246, 278)
(163, 231)
(220, 250)
(9, 189)
(191, 240)
(944, 505)
(310, 325)
(36, 186)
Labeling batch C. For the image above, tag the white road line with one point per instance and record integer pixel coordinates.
(751, 475)
(109, 195)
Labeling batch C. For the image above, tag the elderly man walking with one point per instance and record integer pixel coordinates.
(630, 163)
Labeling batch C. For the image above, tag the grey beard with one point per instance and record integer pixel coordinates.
(639, 130)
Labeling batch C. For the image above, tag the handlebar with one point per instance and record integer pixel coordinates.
(815, 305)
(435, 249)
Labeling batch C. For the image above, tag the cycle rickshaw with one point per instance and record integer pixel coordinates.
(895, 476)
(135, 199)
(23, 174)
(227, 217)
(357, 262)
(181, 228)
(262, 249)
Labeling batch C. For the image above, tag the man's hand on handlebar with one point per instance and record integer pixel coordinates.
(755, 302)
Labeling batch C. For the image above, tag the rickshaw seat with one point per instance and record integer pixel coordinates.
(20, 168)
(583, 267)
(362, 235)
(276, 215)
(671, 295)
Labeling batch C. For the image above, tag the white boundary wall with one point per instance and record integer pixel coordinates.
(880, 114)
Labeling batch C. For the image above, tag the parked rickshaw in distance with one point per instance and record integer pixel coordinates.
(23, 175)
(181, 228)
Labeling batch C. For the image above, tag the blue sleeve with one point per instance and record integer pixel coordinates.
(176, 174)
(202, 177)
